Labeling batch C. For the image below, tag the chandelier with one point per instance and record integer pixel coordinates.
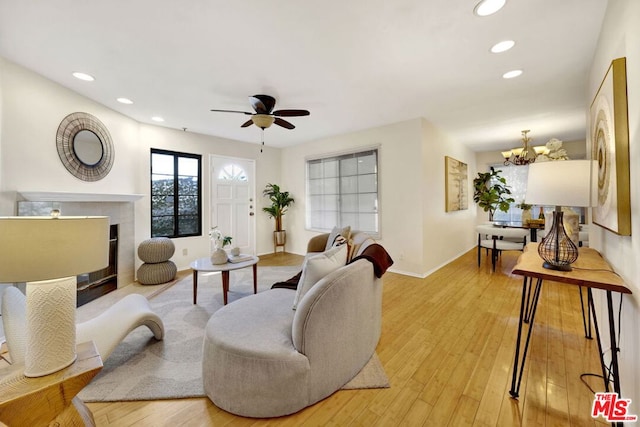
(523, 155)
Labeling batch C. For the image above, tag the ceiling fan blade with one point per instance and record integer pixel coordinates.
(247, 123)
(232, 111)
(290, 113)
(263, 104)
(283, 123)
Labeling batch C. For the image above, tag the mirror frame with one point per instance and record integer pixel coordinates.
(67, 131)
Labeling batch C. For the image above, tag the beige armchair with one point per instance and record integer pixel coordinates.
(499, 239)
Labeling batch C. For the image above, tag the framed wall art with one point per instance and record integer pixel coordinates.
(609, 137)
(455, 185)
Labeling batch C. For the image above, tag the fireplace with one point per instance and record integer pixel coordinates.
(121, 212)
(97, 283)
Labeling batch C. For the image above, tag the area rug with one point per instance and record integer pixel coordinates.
(141, 368)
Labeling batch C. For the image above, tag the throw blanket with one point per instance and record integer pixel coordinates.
(378, 256)
(289, 283)
(374, 253)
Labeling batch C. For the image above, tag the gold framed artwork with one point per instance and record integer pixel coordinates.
(455, 185)
(609, 137)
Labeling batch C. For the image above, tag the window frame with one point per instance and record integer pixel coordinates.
(176, 193)
(337, 156)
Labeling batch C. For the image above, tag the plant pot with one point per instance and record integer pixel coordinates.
(219, 256)
(526, 216)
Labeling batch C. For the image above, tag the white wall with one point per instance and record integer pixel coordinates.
(446, 235)
(267, 170)
(31, 109)
(620, 36)
(411, 185)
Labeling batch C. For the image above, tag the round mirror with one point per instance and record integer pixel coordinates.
(87, 147)
(84, 146)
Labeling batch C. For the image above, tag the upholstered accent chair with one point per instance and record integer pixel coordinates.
(498, 239)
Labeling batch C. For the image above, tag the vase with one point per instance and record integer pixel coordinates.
(526, 216)
(219, 256)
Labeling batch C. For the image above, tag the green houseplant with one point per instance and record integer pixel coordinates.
(280, 202)
(491, 192)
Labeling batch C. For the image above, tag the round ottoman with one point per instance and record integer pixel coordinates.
(155, 254)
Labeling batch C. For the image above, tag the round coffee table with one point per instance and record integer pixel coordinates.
(204, 264)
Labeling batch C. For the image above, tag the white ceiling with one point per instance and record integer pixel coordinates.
(354, 64)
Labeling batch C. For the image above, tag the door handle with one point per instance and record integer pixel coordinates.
(251, 214)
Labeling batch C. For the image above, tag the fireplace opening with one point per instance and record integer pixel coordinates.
(97, 283)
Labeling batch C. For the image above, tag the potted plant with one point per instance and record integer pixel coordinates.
(491, 192)
(526, 211)
(280, 201)
(219, 255)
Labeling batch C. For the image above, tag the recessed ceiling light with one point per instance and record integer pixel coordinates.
(502, 46)
(488, 7)
(157, 119)
(511, 74)
(125, 101)
(83, 76)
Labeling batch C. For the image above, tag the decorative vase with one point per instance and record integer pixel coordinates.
(219, 256)
(557, 249)
(526, 216)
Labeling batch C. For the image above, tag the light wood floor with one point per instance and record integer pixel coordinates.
(447, 346)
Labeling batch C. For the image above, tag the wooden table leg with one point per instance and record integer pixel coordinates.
(255, 278)
(195, 285)
(225, 285)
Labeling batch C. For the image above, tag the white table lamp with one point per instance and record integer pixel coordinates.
(48, 253)
(559, 183)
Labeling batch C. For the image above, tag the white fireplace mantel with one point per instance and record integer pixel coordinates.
(62, 196)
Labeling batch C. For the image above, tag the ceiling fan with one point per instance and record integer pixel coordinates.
(264, 115)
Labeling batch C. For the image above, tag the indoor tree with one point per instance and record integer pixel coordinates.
(491, 192)
(280, 201)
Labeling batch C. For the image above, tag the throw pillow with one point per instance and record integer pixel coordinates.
(318, 266)
(335, 232)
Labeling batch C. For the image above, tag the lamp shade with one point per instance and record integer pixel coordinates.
(559, 183)
(48, 253)
(39, 248)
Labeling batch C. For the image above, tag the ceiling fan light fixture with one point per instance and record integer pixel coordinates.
(263, 121)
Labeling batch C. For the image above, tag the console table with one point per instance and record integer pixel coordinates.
(49, 400)
(590, 271)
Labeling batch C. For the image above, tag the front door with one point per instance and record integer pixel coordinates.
(233, 200)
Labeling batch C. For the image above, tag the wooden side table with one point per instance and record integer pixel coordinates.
(49, 400)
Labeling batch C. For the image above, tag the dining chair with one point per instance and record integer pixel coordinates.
(498, 239)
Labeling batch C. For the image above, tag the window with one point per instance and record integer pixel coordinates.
(516, 177)
(232, 172)
(176, 209)
(343, 190)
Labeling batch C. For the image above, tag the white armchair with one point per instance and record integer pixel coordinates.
(500, 239)
(106, 330)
